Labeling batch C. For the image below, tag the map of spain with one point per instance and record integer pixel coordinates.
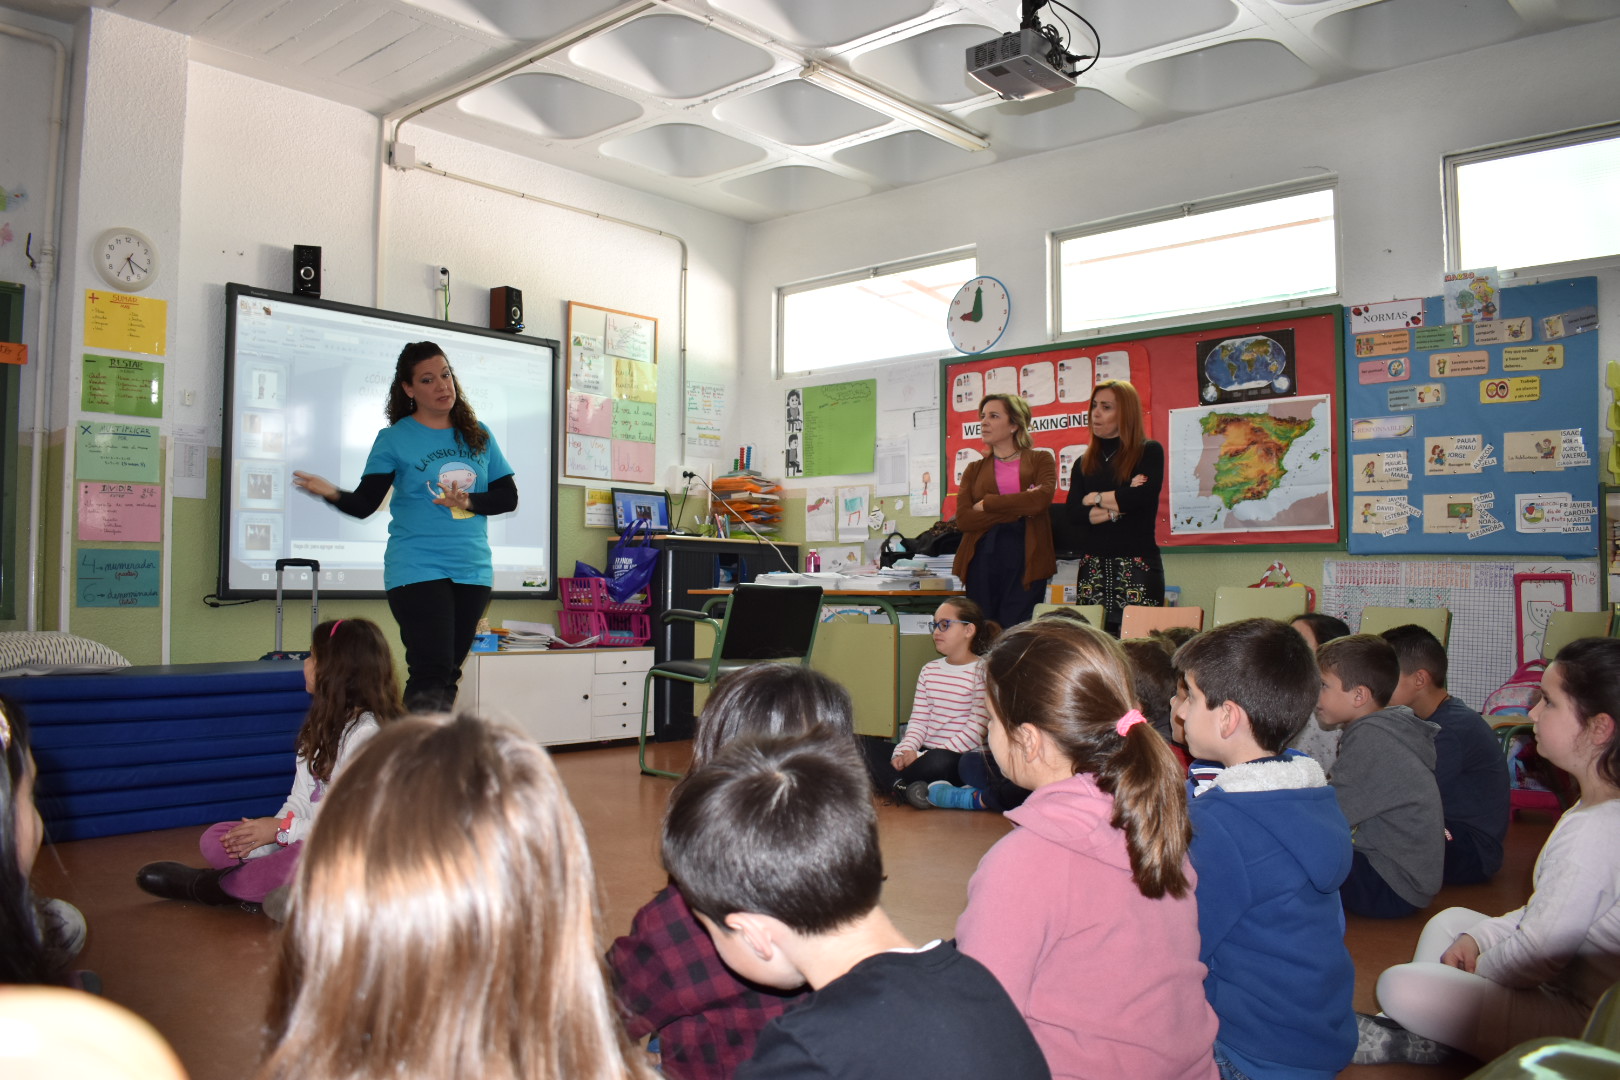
(1251, 466)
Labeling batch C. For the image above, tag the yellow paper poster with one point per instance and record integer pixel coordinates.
(1502, 331)
(127, 323)
(1531, 451)
(1452, 364)
(1384, 515)
(1383, 343)
(634, 380)
(1457, 512)
(599, 507)
(1509, 391)
(1381, 472)
(1532, 357)
(1449, 455)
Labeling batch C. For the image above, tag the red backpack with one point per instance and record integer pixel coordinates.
(1517, 694)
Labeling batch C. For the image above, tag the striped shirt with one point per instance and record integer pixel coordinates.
(949, 712)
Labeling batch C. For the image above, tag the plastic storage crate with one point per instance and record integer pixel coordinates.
(613, 629)
(591, 594)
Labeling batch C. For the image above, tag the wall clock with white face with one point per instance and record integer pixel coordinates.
(978, 315)
(126, 258)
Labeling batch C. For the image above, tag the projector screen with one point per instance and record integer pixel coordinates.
(306, 383)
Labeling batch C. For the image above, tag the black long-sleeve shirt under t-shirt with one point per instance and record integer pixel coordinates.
(362, 502)
(1133, 533)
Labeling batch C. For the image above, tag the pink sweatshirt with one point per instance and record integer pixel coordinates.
(1109, 980)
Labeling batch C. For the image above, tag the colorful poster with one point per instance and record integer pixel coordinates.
(1421, 396)
(1450, 336)
(127, 453)
(1453, 455)
(1381, 472)
(1509, 391)
(137, 324)
(589, 414)
(121, 384)
(1248, 368)
(1382, 371)
(1381, 427)
(633, 420)
(840, 428)
(1386, 315)
(1503, 331)
(588, 370)
(1383, 515)
(599, 508)
(1532, 358)
(1531, 451)
(629, 337)
(820, 514)
(1471, 295)
(1451, 365)
(1251, 466)
(1384, 343)
(633, 462)
(1578, 321)
(705, 418)
(634, 380)
(588, 456)
(132, 512)
(117, 577)
(852, 506)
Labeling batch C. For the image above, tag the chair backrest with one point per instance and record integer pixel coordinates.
(1234, 602)
(770, 622)
(1436, 620)
(1139, 620)
(1564, 627)
(1094, 613)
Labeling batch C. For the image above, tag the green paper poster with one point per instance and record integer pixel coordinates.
(840, 428)
(122, 453)
(113, 577)
(121, 384)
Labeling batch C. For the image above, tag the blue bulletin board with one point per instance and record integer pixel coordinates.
(1494, 425)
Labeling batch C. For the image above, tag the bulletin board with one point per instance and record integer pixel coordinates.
(1480, 437)
(1248, 412)
(612, 395)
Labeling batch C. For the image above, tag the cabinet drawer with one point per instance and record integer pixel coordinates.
(613, 704)
(623, 660)
(621, 683)
(614, 727)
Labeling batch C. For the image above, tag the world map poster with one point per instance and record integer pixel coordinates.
(1259, 466)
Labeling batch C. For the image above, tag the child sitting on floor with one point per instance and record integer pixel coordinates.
(1384, 779)
(1271, 849)
(350, 677)
(1318, 628)
(1469, 766)
(774, 845)
(669, 980)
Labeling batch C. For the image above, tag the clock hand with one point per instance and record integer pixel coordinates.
(978, 306)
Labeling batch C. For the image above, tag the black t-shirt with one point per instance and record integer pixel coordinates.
(1133, 533)
(1471, 772)
(900, 1014)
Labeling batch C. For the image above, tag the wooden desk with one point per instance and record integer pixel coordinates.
(854, 652)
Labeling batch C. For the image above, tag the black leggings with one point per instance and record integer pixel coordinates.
(437, 621)
(936, 764)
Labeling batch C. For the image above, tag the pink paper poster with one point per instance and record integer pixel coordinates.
(120, 511)
(633, 461)
(590, 415)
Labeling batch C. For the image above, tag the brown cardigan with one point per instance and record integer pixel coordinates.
(1035, 467)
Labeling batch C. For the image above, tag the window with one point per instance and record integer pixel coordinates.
(885, 313)
(1535, 203)
(1223, 253)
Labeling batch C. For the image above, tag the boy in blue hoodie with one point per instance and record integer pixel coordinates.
(1271, 849)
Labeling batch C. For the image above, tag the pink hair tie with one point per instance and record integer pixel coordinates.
(1128, 721)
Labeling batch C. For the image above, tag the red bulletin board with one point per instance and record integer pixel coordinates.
(1164, 367)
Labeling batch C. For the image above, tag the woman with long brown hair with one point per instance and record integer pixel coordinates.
(1113, 503)
(353, 690)
(445, 922)
(1002, 509)
(447, 474)
(1095, 879)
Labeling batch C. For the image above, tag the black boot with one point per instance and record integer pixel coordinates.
(177, 881)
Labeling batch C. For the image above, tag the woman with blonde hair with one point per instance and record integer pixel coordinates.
(444, 922)
(1113, 506)
(1002, 509)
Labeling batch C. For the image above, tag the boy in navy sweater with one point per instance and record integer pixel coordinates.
(1271, 849)
(1469, 766)
(773, 844)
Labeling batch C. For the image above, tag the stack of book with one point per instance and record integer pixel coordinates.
(748, 495)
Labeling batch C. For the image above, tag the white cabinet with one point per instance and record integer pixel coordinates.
(559, 696)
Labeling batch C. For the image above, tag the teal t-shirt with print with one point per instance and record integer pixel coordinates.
(428, 542)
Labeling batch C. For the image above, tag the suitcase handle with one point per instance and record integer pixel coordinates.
(312, 564)
(314, 568)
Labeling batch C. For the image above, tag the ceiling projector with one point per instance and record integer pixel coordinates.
(1023, 64)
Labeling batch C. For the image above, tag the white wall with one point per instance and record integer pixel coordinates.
(1383, 135)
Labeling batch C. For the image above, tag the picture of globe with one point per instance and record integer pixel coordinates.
(1246, 363)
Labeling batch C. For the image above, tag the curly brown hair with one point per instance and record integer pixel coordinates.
(354, 674)
(400, 404)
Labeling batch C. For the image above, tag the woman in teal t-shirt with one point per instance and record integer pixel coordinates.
(448, 475)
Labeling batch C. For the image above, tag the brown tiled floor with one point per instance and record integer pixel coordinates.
(200, 974)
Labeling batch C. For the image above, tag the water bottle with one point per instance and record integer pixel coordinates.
(812, 562)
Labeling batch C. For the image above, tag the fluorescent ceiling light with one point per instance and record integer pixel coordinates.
(871, 96)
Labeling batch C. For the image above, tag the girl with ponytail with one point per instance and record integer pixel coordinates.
(1085, 912)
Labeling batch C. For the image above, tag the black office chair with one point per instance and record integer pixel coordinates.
(762, 622)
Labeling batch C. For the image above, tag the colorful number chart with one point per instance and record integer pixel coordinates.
(1480, 437)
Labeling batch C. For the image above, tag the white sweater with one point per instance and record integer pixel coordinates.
(302, 802)
(949, 711)
(1568, 934)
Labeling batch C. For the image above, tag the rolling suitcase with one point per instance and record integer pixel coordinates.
(314, 607)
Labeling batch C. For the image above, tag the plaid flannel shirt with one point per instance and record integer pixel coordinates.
(669, 979)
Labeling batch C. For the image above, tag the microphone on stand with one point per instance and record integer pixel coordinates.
(713, 494)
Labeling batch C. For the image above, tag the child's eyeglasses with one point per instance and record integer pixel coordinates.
(944, 624)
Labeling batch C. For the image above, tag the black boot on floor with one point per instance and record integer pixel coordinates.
(177, 881)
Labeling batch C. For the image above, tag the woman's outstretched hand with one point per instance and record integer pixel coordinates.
(453, 496)
(318, 486)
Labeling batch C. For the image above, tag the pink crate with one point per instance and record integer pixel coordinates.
(591, 594)
(615, 630)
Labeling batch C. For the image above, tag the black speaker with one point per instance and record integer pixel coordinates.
(506, 309)
(306, 270)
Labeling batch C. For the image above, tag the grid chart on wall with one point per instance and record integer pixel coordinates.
(1482, 653)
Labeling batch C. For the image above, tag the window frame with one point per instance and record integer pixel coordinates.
(1449, 163)
(1055, 239)
(779, 365)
